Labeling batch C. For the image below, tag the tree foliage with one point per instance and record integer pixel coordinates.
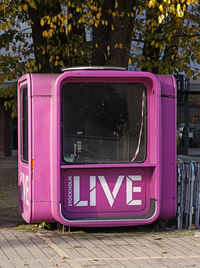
(161, 36)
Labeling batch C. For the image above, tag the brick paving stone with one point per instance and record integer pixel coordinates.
(6, 264)
(48, 251)
(99, 253)
(109, 241)
(70, 240)
(85, 242)
(128, 263)
(114, 263)
(8, 249)
(136, 251)
(19, 247)
(142, 264)
(123, 251)
(153, 263)
(3, 257)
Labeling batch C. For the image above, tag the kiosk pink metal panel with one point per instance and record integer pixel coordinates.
(97, 147)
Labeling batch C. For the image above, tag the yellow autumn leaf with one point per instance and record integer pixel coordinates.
(148, 22)
(98, 16)
(8, 24)
(45, 34)
(69, 27)
(28, 64)
(178, 7)
(151, 3)
(130, 61)
(20, 8)
(180, 13)
(172, 8)
(161, 8)
(42, 22)
(161, 18)
(193, 39)
(108, 50)
(25, 7)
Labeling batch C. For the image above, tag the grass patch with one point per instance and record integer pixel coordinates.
(27, 227)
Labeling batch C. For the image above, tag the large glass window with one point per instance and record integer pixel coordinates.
(103, 123)
(24, 124)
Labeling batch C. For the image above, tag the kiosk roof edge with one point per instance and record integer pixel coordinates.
(94, 68)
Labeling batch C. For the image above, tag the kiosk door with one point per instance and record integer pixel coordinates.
(24, 155)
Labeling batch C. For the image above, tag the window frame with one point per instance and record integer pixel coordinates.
(24, 158)
(144, 128)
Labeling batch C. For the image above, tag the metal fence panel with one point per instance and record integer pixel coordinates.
(188, 193)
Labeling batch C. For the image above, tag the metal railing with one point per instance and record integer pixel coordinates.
(188, 193)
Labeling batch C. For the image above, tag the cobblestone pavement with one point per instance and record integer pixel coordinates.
(19, 248)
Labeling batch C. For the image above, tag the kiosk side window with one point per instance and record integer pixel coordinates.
(24, 123)
(103, 123)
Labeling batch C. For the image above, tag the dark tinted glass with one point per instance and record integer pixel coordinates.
(24, 124)
(103, 123)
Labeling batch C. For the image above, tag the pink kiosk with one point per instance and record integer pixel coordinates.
(97, 147)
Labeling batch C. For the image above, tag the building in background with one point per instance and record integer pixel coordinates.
(188, 116)
(8, 129)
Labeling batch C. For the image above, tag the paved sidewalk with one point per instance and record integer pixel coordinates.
(125, 247)
(49, 249)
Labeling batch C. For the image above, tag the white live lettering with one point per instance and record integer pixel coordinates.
(110, 195)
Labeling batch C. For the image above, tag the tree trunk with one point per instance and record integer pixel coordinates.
(112, 43)
(42, 45)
